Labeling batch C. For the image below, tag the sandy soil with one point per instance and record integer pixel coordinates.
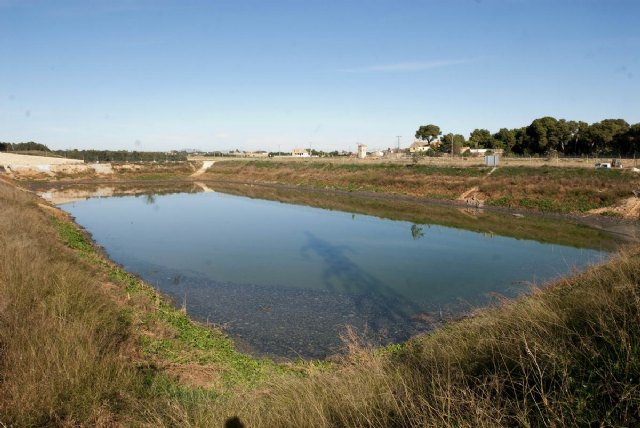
(24, 166)
(25, 160)
(205, 166)
(629, 208)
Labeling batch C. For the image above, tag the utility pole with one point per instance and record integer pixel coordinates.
(398, 137)
(451, 146)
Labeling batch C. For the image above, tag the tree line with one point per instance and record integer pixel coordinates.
(23, 147)
(544, 136)
(95, 155)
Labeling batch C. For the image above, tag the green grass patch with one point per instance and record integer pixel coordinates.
(72, 236)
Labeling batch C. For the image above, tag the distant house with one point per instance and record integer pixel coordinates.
(419, 146)
(478, 151)
(257, 154)
(362, 151)
(300, 153)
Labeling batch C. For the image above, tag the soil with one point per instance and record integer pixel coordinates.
(628, 208)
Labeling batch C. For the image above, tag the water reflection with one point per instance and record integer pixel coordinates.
(341, 274)
(417, 231)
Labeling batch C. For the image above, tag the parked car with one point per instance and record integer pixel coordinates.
(603, 165)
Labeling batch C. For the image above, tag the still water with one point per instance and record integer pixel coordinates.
(286, 279)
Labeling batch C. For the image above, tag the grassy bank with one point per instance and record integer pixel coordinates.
(542, 188)
(83, 343)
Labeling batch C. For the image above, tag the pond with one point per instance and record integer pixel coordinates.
(286, 279)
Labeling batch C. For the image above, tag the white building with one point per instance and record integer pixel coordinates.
(362, 151)
(300, 153)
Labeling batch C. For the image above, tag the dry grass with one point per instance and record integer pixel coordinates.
(62, 341)
(539, 188)
(414, 180)
(559, 190)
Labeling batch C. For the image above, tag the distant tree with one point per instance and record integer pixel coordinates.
(542, 135)
(428, 133)
(629, 142)
(575, 131)
(601, 135)
(457, 140)
(121, 156)
(481, 138)
(520, 144)
(505, 139)
(23, 147)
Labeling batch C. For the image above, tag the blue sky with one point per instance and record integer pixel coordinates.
(220, 75)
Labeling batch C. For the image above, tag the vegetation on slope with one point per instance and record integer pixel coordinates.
(543, 188)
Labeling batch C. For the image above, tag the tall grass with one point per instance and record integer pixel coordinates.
(62, 340)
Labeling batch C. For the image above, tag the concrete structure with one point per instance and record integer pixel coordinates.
(362, 151)
(492, 160)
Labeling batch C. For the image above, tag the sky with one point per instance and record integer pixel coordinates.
(274, 75)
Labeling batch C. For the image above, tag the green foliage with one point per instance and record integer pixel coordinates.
(610, 137)
(500, 202)
(428, 132)
(457, 140)
(72, 236)
(23, 147)
(481, 138)
(122, 156)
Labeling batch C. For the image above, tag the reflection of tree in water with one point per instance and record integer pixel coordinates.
(340, 273)
(416, 231)
(149, 199)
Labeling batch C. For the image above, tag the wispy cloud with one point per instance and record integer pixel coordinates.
(404, 67)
